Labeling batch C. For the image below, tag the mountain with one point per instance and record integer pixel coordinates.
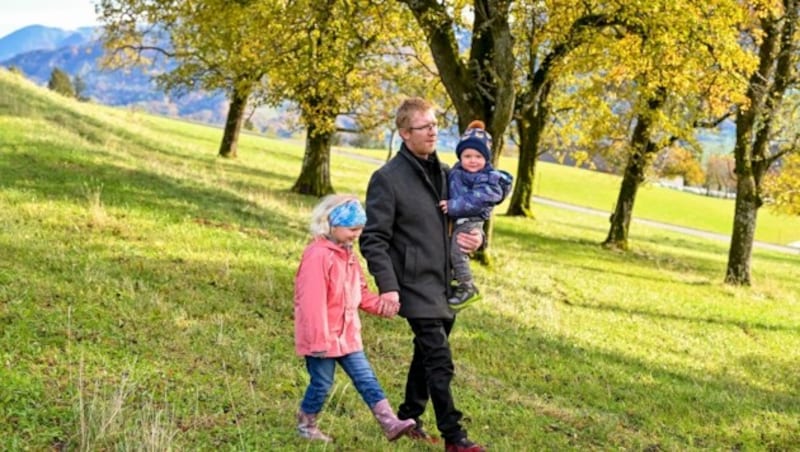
(78, 54)
(39, 37)
(132, 87)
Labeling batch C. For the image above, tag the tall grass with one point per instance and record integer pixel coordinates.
(145, 304)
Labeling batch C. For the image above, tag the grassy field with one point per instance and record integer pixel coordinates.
(146, 304)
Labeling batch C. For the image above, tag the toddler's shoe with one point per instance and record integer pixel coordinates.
(465, 295)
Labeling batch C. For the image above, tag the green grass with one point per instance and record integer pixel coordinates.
(146, 303)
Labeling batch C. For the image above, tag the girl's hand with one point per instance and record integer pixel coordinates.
(443, 205)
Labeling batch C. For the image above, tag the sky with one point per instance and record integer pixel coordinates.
(66, 14)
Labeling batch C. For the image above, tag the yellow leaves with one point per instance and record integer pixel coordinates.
(781, 187)
(677, 161)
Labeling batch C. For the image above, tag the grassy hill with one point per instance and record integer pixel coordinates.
(146, 303)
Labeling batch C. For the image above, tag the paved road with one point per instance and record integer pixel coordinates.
(603, 213)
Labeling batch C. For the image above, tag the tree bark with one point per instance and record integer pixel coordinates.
(315, 175)
(623, 210)
(744, 231)
(767, 87)
(228, 148)
(530, 122)
(484, 255)
(643, 149)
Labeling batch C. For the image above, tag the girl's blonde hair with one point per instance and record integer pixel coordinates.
(320, 224)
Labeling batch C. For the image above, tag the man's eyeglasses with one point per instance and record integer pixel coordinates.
(427, 127)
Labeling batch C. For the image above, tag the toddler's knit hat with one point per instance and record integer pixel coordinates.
(476, 137)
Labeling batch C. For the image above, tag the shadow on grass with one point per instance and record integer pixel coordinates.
(700, 245)
(98, 133)
(193, 331)
(582, 249)
(711, 266)
(746, 327)
(200, 320)
(583, 388)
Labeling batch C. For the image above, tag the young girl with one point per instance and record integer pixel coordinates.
(329, 289)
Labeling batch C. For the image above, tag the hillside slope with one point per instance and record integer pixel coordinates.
(146, 303)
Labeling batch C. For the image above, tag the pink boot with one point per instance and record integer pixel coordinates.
(392, 427)
(307, 427)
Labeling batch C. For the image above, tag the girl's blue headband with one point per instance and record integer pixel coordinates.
(348, 215)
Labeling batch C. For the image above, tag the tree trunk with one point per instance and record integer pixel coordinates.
(233, 124)
(529, 133)
(754, 127)
(532, 108)
(391, 144)
(484, 255)
(623, 211)
(315, 175)
(643, 149)
(744, 231)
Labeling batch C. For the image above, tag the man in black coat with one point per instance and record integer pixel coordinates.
(406, 245)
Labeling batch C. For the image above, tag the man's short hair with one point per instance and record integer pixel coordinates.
(410, 106)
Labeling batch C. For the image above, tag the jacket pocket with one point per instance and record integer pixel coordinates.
(410, 265)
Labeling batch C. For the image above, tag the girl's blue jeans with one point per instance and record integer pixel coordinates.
(321, 371)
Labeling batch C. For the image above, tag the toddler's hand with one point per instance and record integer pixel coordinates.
(443, 205)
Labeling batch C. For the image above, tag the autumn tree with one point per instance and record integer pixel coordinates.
(763, 136)
(210, 45)
(677, 161)
(413, 74)
(548, 34)
(339, 63)
(648, 83)
(480, 81)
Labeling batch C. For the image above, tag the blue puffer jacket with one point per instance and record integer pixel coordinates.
(475, 194)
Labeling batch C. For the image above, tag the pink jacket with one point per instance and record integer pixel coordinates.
(329, 288)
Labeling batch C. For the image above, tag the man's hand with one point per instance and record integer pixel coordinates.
(443, 205)
(390, 304)
(470, 241)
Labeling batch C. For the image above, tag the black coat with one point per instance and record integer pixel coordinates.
(405, 241)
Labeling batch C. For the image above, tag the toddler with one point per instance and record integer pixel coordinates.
(475, 187)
